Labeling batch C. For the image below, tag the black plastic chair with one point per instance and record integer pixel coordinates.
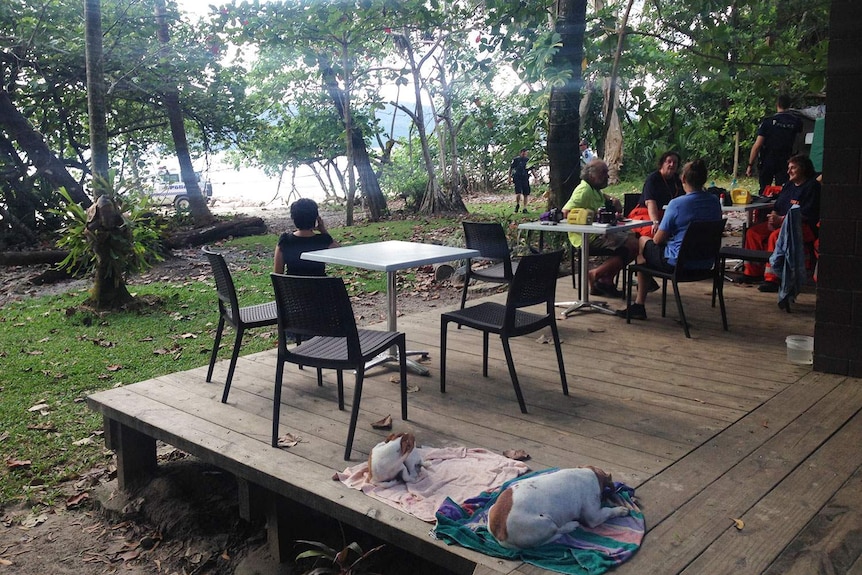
(630, 202)
(534, 283)
(318, 310)
(490, 240)
(702, 241)
(240, 318)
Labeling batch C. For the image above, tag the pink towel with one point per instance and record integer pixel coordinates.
(454, 472)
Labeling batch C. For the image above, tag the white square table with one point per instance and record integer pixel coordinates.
(389, 257)
(584, 304)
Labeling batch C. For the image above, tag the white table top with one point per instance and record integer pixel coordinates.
(748, 207)
(390, 255)
(583, 228)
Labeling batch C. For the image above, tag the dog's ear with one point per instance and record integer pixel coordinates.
(605, 479)
(408, 442)
(392, 436)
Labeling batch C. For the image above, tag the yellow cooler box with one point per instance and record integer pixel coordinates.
(740, 196)
(580, 216)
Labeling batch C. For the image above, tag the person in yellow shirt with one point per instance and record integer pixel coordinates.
(588, 194)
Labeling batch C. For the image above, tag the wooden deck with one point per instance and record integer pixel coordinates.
(709, 429)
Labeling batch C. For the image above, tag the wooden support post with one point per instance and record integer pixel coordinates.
(136, 454)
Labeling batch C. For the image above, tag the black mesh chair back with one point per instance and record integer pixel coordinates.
(630, 202)
(239, 317)
(317, 311)
(702, 241)
(489, 239)
(534, 283)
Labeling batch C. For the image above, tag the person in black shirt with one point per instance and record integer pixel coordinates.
(310, 235)
(521, 178)
(774, 144)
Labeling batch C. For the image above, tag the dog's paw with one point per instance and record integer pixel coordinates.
(621, 511)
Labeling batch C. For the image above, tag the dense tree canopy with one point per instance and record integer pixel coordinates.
(290, 83)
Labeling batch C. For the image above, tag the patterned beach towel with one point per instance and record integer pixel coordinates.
(454, 472)
(585, 551)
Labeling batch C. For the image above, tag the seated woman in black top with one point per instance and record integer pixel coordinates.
(310, 235)
(659, 189)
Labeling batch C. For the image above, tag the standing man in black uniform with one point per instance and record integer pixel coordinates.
(775, 138)
(521, 178)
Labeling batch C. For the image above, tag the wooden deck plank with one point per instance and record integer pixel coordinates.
(761, 469)
(829, 543)
(777, 517)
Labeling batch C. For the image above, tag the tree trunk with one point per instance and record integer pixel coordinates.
(96, 99)
(197, 203)
(563, 116)
(31, 141)
(105, 224)
(32, 257)
(236, 228)
(375, 202)
(613, 155)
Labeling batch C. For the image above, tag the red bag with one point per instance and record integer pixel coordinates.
(771, 191)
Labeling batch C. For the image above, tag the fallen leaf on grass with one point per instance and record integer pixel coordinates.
(130, 555)
(385, 423)
(114, 367)
(12, 463)
(46, 426)
(739, 523)
(85, 441)
(39, 407)
(516, 454)
(288, 440)
(76, 500)
(33, 521)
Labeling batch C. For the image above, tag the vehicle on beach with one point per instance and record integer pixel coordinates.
(170, 190)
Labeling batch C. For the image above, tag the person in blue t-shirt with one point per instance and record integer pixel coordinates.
(310, 235)
(661, 251)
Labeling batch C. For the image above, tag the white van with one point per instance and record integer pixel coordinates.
(169, 190)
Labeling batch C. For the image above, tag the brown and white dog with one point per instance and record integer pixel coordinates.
(539, 509)
(394, 460)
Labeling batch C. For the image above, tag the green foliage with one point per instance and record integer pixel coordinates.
(133, 246)
(351, 560)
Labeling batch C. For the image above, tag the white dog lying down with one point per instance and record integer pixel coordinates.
(537, 510)
(394, 460)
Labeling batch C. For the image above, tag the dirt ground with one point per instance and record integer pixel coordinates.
(173, 526)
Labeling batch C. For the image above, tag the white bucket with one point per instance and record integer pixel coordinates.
(800, 349)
